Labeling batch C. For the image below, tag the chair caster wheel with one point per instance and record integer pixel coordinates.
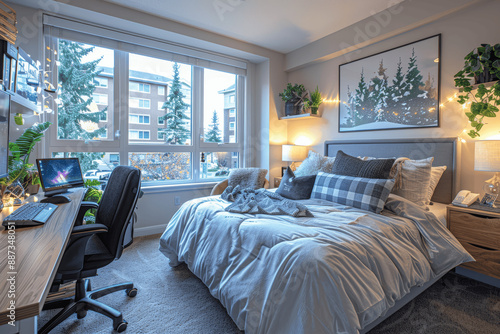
(121, 327)
(81, 314)
(131, 292)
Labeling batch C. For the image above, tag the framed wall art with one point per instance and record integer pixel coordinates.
(394, 89)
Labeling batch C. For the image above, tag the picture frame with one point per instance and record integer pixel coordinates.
(394, 89)
(489, 199)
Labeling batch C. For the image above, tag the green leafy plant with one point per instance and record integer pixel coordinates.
(482, 64)
(314, 100)
(93, 194)
(293, 92)
(20, 150)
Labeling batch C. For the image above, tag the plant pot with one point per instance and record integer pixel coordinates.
(293, 107)
(484, 77)
(314, 110)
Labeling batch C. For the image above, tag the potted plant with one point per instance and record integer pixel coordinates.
(293, 96)
(314, 101)
(20, 150)
(482, 64)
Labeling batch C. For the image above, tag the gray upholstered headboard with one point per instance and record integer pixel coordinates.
(444, 151)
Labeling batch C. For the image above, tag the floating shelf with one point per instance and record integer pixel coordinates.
(26, 105)
(486, 84)
(308, 115)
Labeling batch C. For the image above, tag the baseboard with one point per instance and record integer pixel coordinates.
(149, 230)
(478, 276)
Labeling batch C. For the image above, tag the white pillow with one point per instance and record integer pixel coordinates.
(415, 181)
(314, 163)
(436, 173)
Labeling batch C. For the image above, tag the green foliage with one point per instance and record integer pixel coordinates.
(20, 151)
(213, 134)
(93, 194)
(314, 99)
(484, 101)
(176, 119)
(77, 80)
(293, 92)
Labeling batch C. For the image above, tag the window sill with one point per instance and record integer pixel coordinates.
(167, 188)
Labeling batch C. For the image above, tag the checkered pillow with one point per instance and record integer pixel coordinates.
(358, 192)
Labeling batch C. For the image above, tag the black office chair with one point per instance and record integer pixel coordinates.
(94, 246)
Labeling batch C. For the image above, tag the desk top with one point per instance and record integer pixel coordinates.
(38, 251)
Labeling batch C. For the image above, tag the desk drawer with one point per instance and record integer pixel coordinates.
(487, 260)
(476, 229)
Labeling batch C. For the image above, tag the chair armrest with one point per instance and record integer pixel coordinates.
(84, 207)
(219, 188)
(89, 229)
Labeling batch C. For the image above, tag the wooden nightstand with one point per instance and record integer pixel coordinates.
(478, 230)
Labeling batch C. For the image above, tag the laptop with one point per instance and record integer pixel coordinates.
(57, 175)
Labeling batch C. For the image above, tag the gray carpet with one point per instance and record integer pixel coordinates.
(173, 300)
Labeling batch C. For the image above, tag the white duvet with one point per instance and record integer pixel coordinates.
(334, 273)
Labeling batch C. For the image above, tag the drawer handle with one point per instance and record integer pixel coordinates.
(482, 247)
(482, 217)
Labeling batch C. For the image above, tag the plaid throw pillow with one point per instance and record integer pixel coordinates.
(362, 193)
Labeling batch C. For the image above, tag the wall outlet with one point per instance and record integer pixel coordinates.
(177, 200)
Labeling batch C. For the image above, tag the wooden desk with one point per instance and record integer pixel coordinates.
(38, 252)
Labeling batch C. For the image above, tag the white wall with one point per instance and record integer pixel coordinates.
(461, 32)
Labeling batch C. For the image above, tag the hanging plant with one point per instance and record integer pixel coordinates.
(482, 65)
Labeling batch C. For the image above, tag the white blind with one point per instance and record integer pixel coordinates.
(78, 31)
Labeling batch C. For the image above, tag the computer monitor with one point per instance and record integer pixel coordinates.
(57, 175)
(4, 133)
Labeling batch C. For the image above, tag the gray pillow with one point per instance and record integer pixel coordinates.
(293, 187)
(351, 166)
(253, 178)
(415, 181)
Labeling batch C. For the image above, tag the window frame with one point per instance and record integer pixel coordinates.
(139, 119)
(119, 141)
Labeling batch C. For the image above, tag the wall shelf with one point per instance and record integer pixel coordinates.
(24, 106)
(301, 116)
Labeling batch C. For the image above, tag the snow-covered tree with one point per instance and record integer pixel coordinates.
(379, 92)
(176, 118)
(213, 134)
(363, 112)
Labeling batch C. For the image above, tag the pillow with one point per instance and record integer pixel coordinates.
(293, 187)
(253, 178)
(351, 166)
(362, 193)
(314, 163)
(436, 173)
(415, 181)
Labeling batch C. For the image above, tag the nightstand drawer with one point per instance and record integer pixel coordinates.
(487, 260)
(475, 229)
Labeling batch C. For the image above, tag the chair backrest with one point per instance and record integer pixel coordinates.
(117, 206)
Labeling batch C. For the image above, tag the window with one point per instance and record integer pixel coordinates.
(101, 82)
(160, 135)
(100, 98)
(138, 119)
(231, 99)
(138, 134)
(116, 129)
(139, 87)
(232, 126)
(104, 116)
(139, 103)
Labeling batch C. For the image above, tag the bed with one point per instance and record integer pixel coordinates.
(342, 271)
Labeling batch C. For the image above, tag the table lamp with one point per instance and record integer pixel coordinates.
(487, 159)
(294, 153)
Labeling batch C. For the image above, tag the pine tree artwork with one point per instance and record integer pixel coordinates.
(394, 89)
(77, 116)
(177, 131)
(213, 134)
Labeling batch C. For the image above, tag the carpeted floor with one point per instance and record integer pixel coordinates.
(173, 300)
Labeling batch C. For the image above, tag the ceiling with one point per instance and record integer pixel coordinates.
(280, 25)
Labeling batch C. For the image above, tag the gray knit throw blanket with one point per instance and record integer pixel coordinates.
(261, 201)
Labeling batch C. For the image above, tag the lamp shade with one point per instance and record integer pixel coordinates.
(294, 153)
(487, 156)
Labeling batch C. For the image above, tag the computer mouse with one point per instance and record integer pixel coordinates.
(57, 199)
